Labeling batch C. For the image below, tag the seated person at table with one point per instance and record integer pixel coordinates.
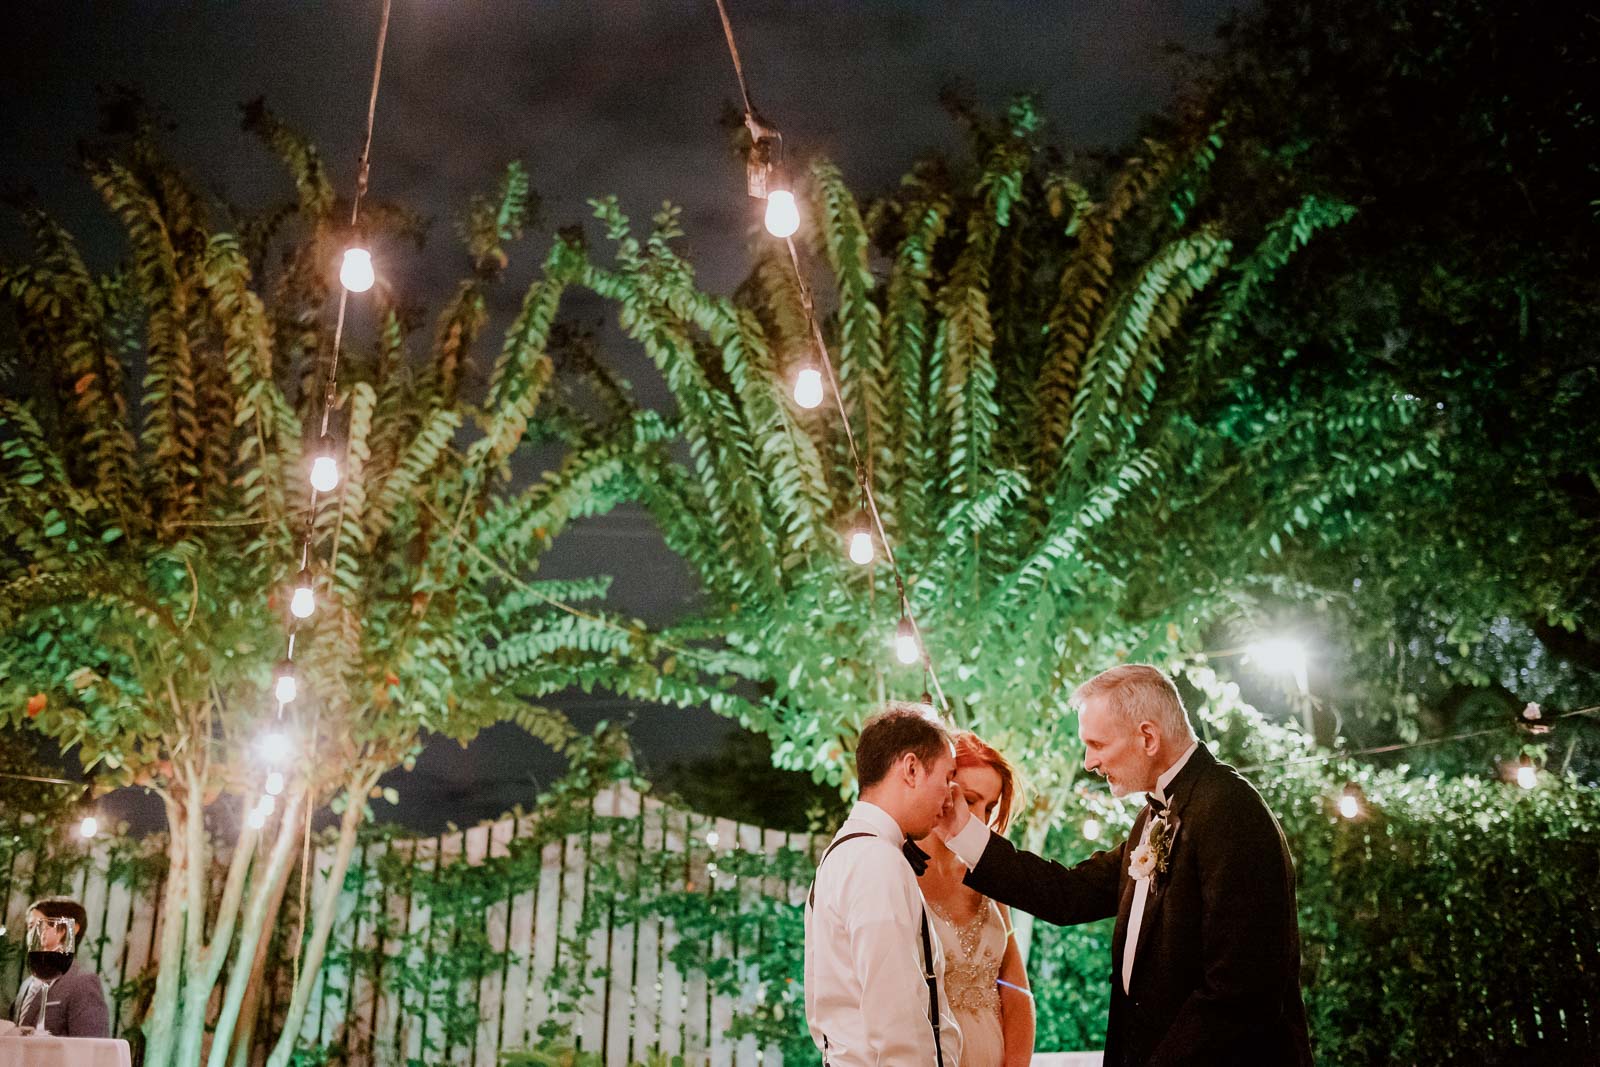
(70, 998)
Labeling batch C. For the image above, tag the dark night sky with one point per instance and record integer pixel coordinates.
(596, 97)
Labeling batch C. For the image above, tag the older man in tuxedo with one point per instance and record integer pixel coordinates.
(1206, 950)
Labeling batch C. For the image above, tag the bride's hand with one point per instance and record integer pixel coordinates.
(955, 816)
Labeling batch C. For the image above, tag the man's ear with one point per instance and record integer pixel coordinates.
(910, 769)
(1149, 737)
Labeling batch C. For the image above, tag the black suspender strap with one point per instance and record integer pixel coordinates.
(933, 987)
(927, 954)
(811, 898)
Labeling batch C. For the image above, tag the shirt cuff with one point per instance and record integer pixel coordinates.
(969, 844)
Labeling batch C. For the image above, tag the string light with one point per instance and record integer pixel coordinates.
(325, 468)
(274, 746)
(1091, 828)
(285, 686)
(808, 388)
(862, 550)
(356, 275)
(905, 642)
(267, 804)
(1527, 773)
(1350, 801)
(1282, 655)
(355, 272)
(763, 178)
(783, 216)
(88, 827)
(304, 600)
(712, 837)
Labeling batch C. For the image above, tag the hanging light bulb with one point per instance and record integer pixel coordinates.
(88, 827)
(783, 215)
(1350, 802)
(1527, 773)
(304, 601)
(324, 468)
(267, 804)
(256, 819)
(355, 272)
(1091, 828)
(285, 686)
(862, 549)
(1282, 655)
(274, 784)
(808, 387)
(275, 747)
(905, 642)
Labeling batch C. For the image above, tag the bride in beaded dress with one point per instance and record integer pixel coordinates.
(985, 980)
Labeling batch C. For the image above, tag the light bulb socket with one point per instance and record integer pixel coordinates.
(764, 161)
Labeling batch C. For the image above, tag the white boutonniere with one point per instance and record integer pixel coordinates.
(1154, 852)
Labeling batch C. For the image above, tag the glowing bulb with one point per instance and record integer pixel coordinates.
(808, 388)
(275, 747)
(286, 687)
(355, 273)
(256, 819)
(1282, 655)
(1091, 828)
(905, 642)
(303, 602)
(783, 216)
(862, 550)
(1527, 774)
(325, 472)
(274, 784)
(712, 838)
(88, 827)
(267, 804)
(1349, 803)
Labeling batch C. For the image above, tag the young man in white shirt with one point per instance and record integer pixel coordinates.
(874, 977)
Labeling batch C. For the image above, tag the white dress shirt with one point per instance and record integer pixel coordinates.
(1141, 886)
(968, 845)
(866, 997)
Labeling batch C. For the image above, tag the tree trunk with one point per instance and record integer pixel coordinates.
(253, 937)
(256, 991)
(325, 907)
(161, 1022)
(196, 992)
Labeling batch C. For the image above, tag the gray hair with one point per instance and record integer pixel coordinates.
(1138, 692)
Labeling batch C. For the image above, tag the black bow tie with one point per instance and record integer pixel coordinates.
(914, 856)
(1158, 807)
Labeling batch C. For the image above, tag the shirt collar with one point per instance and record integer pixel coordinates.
(1160, 791)
(881, 821)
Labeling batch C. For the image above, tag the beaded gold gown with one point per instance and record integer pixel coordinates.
(972, 955)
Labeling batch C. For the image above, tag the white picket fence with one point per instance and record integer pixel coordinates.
(643, 1005)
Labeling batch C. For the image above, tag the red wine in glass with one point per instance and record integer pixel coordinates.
(48, 966)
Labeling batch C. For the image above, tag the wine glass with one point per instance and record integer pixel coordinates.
(51, 943)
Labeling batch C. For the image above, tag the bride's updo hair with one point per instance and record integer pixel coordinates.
(974, 751)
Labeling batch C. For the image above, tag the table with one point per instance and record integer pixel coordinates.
(64, 1052)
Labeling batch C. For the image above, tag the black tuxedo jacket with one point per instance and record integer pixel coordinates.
(1216, 979)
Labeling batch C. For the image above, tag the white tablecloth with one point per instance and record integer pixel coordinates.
(1068, 1059)
(64, 1052)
